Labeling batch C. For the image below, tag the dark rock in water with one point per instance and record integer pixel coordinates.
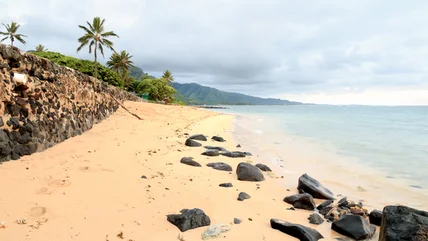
(234, 154)
(296, 230)
(192, 143)
(403, 223)
(263, 167)
(315, 218)
(189, 219)
(218, 138)
(198, 137)
(313, 187)
(218, 148)
(211, 153)
(220, 166)
(242, 196)
(238, 146)
(228, 184)
(301, 201)
(189, 161)
(248, 172)
(354, 226)
(236, 221)
(375, 217)
(325, 204)
(342, 202)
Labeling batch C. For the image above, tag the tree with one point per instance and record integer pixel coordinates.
(157, 89)
(168, 76)
(41, 48)
(121, 63)
(95, 36)
(10, 33)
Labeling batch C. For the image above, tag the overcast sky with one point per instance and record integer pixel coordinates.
(342, 52)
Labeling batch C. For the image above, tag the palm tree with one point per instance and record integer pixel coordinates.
(95, 35)
(41, 48)
(11, 30)
(121, 64)
(168, 76)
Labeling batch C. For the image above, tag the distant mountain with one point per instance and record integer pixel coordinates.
(136, 72)
(198, 94)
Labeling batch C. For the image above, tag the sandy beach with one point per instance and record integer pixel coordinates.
(90, 187)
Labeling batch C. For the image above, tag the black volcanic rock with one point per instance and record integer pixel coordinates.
(375, 217)
(313, 187)
(218, 138)
(296, 230)
(198, 137)
(242, 196)
(228, 184)
(218, 148)
(220, 166)
(263, 167)
(315, 218)
(354, 226)
(189, 219)
(248, 172)
(325, 204)
(301, 201)
(403, 223)
(189, 161)
(192, 143)
(234, 154)
(211, 153)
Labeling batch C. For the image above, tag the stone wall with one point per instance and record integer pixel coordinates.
(55, 104)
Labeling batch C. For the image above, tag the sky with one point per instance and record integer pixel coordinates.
(331, 52)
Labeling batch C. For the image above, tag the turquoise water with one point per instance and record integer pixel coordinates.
(393, 140)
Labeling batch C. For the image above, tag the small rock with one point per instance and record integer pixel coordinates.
(315, 218)
(234, 154)
(228, 184)
(263, 167)
(211, 153)
(237, 221)
(292, 209)
(375, 217)
(198, 137)
(242, 196)
(218, 148)
(189, 161)
(248, 172)
(1, 122)
(296, 230)
(143, 177)
(218, 138)
(354, 226)
(220, 166)
(313, 187)
(343, 202)
(301, 201)
(189, 219)
(214, 231)
(238, 146)
(192, 143)
(325, 204)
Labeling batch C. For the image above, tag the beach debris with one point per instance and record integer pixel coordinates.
(234, 154)
(361, 189)
(189, 161)
(301, 201)
(375, 217)
(215, 230)
(120, 235)
(250, 219)
(313, 187)
(248, 172)
(2, 225)
(263, 167)
(325, 204)
(296, 230)
(21, 221)
(354, 226)
(181, 237)
(211, 153)
(228, 184)
(242, 196)
(315, 218)
(192, 143)
(189, 219)
(237, 221)
(218, 148)
(403, 223)
(198, 137)
(220, 166)
(218, 138)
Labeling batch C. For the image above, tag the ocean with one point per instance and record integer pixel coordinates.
(381, 149)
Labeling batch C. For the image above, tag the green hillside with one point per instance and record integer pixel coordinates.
(199, 94)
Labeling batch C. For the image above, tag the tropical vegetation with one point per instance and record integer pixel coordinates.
(11, 33)
(41, 48)
(121, 63)
(168, 76)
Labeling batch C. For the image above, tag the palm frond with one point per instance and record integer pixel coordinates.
(108, 34)
(3, 39)
(100, 47)
(20, 39)
(90, 46)
(91, 27)
(107, 43)
(86, 30)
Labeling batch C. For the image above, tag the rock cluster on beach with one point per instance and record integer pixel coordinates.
(53, 104)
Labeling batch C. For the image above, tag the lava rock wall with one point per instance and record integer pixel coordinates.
(54, 104)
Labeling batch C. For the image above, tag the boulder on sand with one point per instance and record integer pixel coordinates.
(248, 172)
(263, 167)
(296, 230)
(198, 137)
(403, 223)
(301, 201)
(218, 138)
(234, 154)
(211, 153)
(220, 166)
(243, 195)
(354, 226)
(313, 187)
(189, 161)
(325, 204)
(315, 218)
(375, 217)
(218, 148)
(192, 143)
(189, 219)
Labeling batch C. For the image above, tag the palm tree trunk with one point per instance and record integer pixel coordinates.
(95, 62)
(11, 41)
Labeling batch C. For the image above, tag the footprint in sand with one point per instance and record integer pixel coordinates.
(59, 183)
(37, 211)
(44, 190)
